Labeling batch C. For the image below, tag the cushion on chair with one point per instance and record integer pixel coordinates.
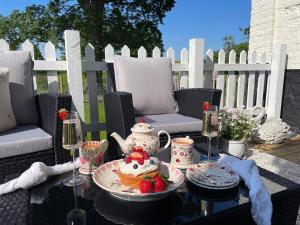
(172, 123)
(7, 118)
(20, 68)
(150, 82)
(24, 140)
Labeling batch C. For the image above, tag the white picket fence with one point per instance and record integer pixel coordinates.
(194, 70)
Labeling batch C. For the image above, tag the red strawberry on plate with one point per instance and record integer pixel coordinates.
(140, 161)
(146, 155)
(63, 114)
(159, 184)
(146, 186)
(127, 160)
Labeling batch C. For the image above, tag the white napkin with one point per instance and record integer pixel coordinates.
(36, 174)
(259, 195)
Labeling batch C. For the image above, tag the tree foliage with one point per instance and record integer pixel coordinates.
(100, 22)
(229, 44)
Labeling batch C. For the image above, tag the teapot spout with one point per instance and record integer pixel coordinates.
(121, 142)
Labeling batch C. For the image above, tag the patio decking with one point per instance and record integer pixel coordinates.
(290, 150)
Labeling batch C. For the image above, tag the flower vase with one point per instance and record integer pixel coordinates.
(235, 148)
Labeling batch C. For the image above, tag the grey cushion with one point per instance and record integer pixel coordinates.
(24, 140)
(20, 68)
(7, 118)
(150, 82)
(173, 123)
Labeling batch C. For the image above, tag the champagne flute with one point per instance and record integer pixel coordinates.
(210, 125)
(76, 216)
(72, 140)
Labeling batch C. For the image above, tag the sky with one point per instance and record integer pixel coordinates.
(208, 19)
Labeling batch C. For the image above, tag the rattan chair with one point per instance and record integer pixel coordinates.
(48, 106)
(120, 116)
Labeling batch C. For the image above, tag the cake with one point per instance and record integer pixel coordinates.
(136, 167)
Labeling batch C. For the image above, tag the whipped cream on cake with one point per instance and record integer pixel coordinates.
(138, 162)
(135, 168)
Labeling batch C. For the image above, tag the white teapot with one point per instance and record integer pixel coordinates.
(142, 135)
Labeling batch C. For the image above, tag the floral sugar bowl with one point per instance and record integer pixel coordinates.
(92, 155)
(143, 135)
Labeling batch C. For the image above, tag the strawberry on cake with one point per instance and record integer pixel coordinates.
(137, 167)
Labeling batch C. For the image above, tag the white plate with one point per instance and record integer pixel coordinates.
(212, 175)
(211, 187)
(106, 178)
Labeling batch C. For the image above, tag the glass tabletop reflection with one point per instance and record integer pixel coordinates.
(52, 201)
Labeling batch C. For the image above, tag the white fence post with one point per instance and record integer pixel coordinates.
(4, 46)
(156, 52)
(261, 82)
(231, 82)
(28, 46)
(142, 53)
(276, 80)
(50, 55)
(74, 70)
(184, 75)
(241, 82)
(125, 51)
(209, 64)
(220, 77)
(196, 61)
(171, 55)
(251, 81)
(92, 88)
(109, 53)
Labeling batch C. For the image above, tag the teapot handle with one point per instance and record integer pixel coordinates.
(169, 140)
(104, 145)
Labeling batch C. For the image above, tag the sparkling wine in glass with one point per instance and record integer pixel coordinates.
(72, 140)
(210, 126)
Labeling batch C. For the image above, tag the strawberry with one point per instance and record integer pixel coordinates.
(136, 155)
(127, 160)
(159, 184)
(206, 105)
(137, 149)
(146, 186)
(140, 161)
(146, 155)
(63, 114)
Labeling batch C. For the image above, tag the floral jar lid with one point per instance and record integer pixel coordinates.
(142, 128)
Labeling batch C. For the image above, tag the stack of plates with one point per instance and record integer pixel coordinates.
(212, 175)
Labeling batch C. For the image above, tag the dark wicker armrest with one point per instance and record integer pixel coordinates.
(190, 101)
(14, 206)
(48, 106)
(119, 114)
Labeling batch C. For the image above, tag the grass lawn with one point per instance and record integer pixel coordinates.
(101, 117)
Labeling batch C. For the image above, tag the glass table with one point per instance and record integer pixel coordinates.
(51, 201)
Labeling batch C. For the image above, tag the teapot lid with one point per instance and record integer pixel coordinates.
(142, 128)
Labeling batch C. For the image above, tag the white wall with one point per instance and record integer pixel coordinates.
(276, 21)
